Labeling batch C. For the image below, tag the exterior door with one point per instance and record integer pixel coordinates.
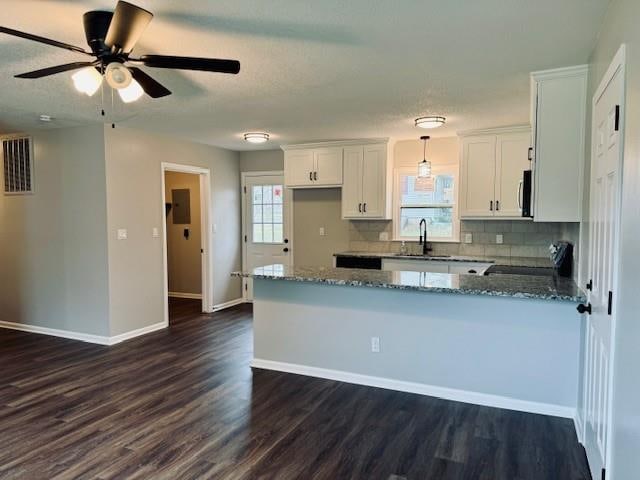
(266, 224)
(604, 218)
(512, 159)
(479, 173)
(373, 178)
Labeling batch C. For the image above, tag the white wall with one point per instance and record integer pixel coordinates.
(621, 26)
(134, 202)
(53, 249)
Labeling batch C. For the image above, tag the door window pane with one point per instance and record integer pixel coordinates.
(267, 217)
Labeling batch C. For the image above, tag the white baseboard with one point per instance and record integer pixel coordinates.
(194, 296)
(83, 337)
(420, 388)
(229, 304)
(54, 332)
(136, 333)
(577, 422)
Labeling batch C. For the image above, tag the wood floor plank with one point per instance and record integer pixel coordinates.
(183, 403)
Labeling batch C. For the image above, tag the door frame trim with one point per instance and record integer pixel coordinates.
(244, 176)
(204, 175)
(617, 65)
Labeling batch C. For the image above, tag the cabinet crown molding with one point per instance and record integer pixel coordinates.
(337, 143)
(495, 131)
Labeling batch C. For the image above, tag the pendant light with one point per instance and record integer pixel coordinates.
(424, 167)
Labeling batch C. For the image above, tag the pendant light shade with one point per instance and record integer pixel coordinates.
(424, 167)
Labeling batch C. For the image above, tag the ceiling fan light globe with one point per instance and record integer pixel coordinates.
(131, 93)
(118, 76)
(87, 80)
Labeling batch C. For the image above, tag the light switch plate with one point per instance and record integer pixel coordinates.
(122, 234)
(384, 236)
(499, 239)
(322, 232)
(468, 238)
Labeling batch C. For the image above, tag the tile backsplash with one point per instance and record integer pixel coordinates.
(520, 238)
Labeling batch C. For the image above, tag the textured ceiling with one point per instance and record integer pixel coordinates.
(311, 70)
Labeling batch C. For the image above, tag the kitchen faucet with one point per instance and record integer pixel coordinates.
(423, 238)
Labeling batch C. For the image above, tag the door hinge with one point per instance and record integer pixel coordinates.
(610, 304)
(246, 286)
(245, 189)
(589, 285)
(245, 239)
(617, 120)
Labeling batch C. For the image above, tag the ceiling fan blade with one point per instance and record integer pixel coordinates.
(45, 72)
(47, 41)
(127, 25)
(191, 63)
(148, 84)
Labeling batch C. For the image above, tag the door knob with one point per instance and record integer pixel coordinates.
(285, 249)
(582, 308)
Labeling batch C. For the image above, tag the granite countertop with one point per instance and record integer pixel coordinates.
(505, 261)
(518, 286)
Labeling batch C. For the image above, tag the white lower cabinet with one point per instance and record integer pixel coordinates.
(434, 266)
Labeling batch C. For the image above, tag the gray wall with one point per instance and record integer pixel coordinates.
(312, 209)
(621, 26)
(262, 160)
(184, 260)
(134, 202)
(53, 247)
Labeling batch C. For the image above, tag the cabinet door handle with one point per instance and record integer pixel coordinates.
(530, 154)
(315, 176)
(311, 176)
(360, 207)
(497, 205)
(491, 205)
(364, 207)
(520, 195)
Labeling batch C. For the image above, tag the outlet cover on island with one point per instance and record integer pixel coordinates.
(375, 344)
(384, 236)
(499, 239)
(468, 238)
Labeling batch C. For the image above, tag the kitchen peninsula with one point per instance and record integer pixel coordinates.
(510, 341)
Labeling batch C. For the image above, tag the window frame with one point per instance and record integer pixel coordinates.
(450, 169)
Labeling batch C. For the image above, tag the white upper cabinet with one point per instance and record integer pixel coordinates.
(558, 112)
(366, 191)
(492, 168)
(313, 167)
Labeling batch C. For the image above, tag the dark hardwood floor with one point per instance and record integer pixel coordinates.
(183, 404)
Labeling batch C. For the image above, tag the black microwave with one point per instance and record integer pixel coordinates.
(525, 194)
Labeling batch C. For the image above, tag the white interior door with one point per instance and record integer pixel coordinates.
(266, 224)
(606, 168)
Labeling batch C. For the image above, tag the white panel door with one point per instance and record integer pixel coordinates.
(298, 168)
(478, 176)
(328, 166)
(373, 181)
(512, 159)
(266, 226)
(606, 169)
(352, 183)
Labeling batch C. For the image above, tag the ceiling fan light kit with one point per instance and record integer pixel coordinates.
(87, 80)
(111, 37)
(256, 137)
(430, 121)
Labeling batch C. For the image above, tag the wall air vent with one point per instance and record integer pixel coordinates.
(17, 161)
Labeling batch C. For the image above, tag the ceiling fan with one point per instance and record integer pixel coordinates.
(111, 37)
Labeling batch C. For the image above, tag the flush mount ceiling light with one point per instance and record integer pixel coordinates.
(256, 137)
(424, 167)
(430, 122)
(46, 118)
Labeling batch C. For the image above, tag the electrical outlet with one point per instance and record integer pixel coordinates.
(384, 236)
(322, 232)
(155, 232)
(122, 234)
(499, 239)
(468, 238)
(375, 344)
